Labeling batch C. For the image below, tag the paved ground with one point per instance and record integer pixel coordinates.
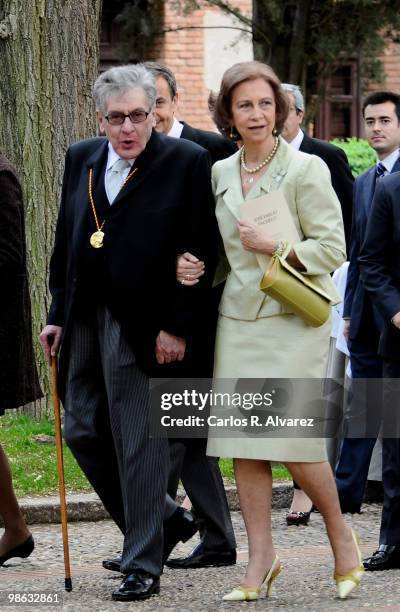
(306, 583)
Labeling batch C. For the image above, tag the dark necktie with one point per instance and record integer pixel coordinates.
(380, 170)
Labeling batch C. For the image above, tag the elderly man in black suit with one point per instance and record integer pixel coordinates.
(19, 383)
(131, 202)
(200, 475)
(379, 263)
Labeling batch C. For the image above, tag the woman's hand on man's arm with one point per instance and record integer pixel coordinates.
(189, 269)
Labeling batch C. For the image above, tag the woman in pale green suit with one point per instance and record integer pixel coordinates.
(259, 338)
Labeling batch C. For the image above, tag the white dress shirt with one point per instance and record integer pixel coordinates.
(176, 129)
(297, 140)
(390, 161)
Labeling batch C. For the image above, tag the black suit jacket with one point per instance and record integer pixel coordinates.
(218, 146)
(341, 176)
(380, 260)
(165, 209)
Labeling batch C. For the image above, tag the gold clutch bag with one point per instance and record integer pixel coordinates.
(289, 287)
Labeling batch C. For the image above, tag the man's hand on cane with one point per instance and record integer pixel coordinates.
(50, 339)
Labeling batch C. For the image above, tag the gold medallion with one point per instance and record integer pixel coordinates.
(96, 239)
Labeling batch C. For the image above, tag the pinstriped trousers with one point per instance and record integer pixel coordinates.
(107, 428)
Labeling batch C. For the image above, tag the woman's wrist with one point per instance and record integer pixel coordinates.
(279, 248)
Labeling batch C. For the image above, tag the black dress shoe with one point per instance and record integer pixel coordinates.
(201, 557)
(22, 550)
(386, 557)
(114, 565)
(180, 527)
(138, 585)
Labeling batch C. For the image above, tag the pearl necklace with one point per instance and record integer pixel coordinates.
(261, 165)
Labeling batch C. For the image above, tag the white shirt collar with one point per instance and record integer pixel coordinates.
(390, 160)
(297, 140)
(176, 129)
(113, 157)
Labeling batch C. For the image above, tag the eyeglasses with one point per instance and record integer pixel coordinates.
(136, 116)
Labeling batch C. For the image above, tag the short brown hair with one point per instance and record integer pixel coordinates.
(221, 104)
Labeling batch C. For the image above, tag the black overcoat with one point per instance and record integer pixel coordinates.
(18, 376)
(167, 208)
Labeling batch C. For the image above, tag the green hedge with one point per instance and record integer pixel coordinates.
(360, 155)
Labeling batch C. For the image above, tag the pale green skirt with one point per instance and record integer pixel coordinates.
(272, 347)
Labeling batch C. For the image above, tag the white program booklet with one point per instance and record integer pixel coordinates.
(271, 212)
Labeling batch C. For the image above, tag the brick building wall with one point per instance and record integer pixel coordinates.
(192, 55)
(200, 46)
(187, 51)
(391, 68)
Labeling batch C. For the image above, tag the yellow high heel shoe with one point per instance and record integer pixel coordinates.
(347, 582)
(251, 593)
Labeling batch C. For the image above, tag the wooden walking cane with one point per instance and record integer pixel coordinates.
(60, 468)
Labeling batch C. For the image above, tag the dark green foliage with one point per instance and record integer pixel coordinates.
(360, 155)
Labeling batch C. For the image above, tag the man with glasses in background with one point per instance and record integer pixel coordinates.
(131, 202)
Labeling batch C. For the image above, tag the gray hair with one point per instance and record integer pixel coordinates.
(160, 70)
(118, 80)
(298, 96)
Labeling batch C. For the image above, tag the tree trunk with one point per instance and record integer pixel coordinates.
(48, 62)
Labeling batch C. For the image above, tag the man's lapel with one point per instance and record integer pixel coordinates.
(188, 132)
(396, 167)
(95, 162)
(369, 188)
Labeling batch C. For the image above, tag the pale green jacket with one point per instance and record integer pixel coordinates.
(306, 184)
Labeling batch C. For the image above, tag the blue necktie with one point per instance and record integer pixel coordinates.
(380, 170)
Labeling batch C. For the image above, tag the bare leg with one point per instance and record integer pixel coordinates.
(15, 529)
(300, 502)
(254, 483)
(317, 481)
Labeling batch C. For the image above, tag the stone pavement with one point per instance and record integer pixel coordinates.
(305, 584)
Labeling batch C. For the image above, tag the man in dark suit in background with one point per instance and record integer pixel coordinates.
(334, 157)
(380, 272)
(381, 113)
(200, 475)
(131, 202)
(166, 122)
